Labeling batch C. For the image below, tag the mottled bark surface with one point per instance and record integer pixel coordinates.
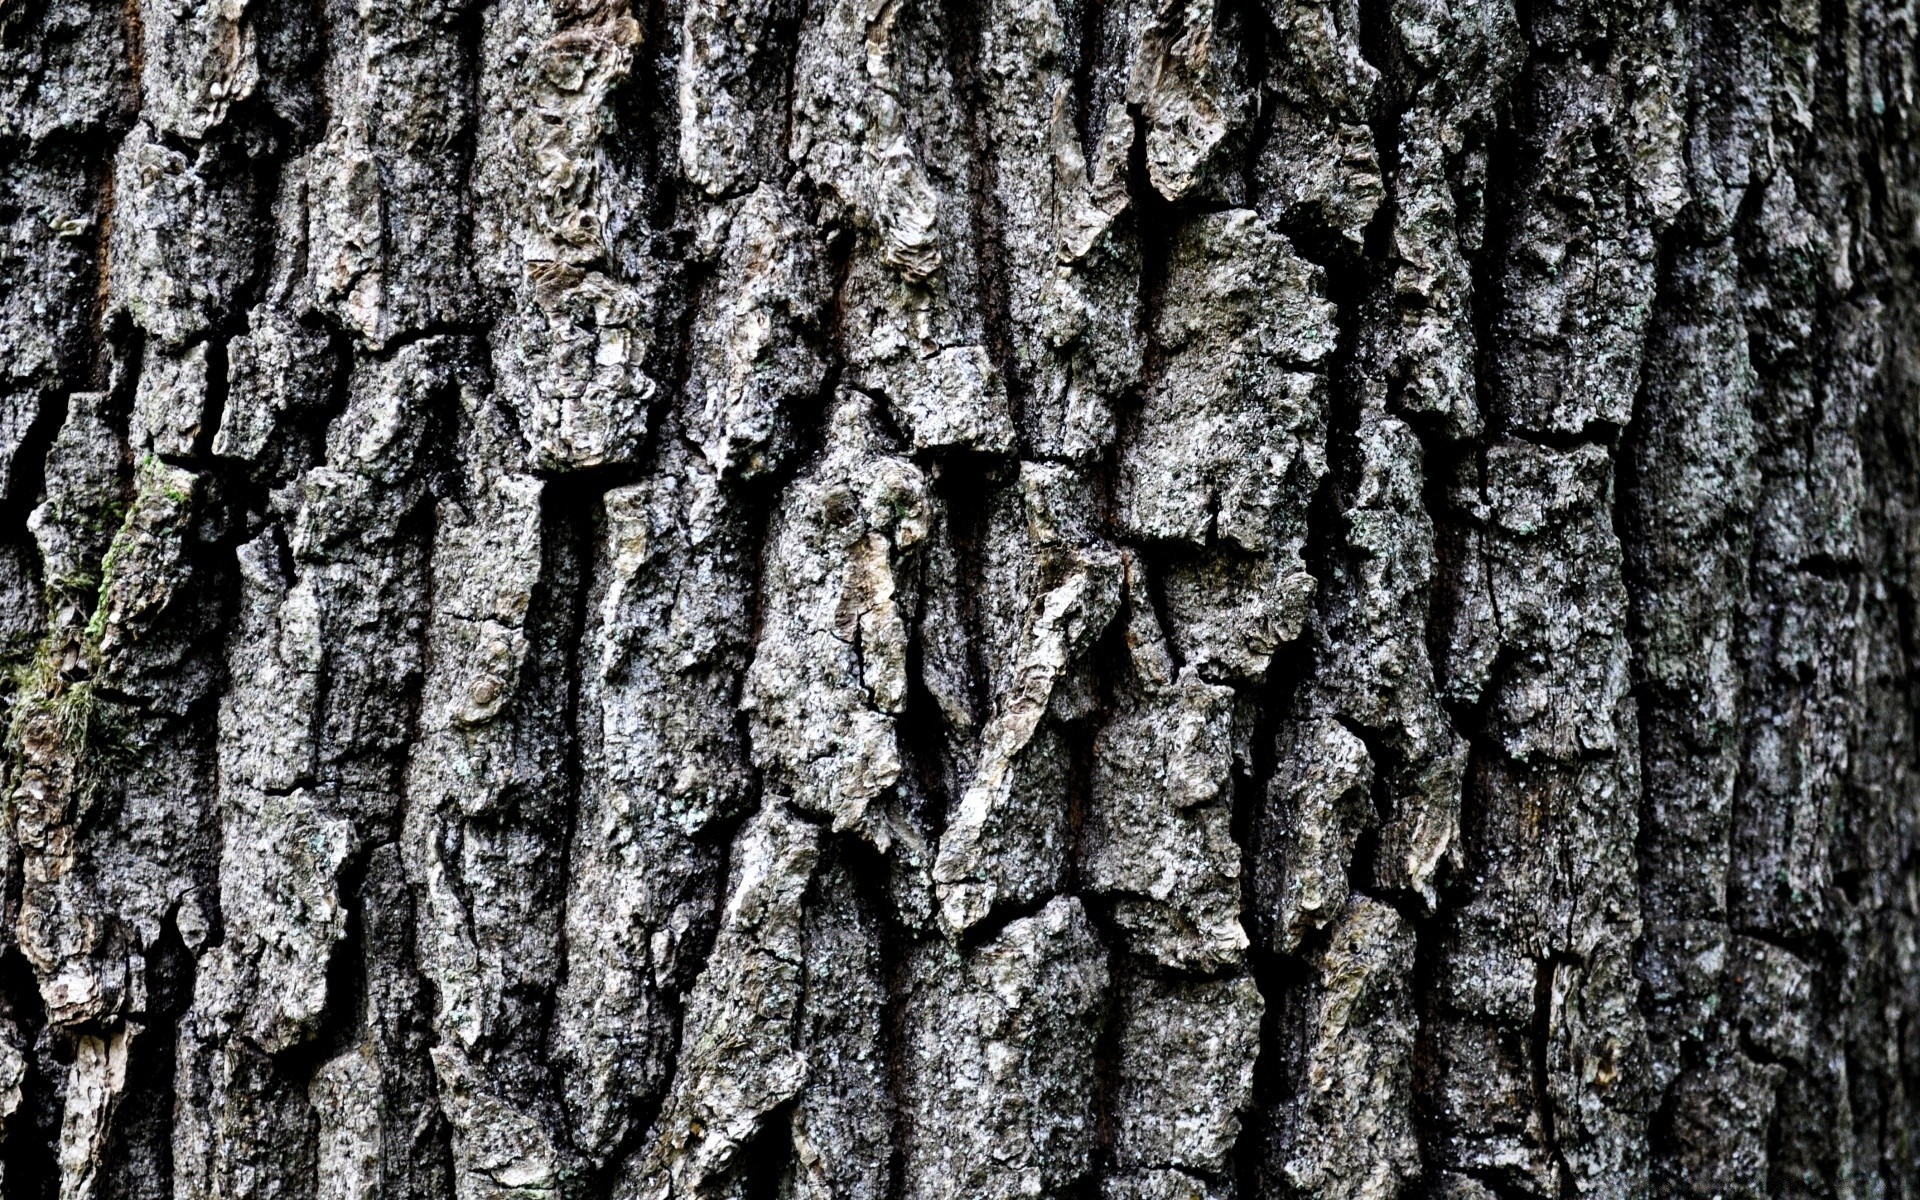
(959, 599)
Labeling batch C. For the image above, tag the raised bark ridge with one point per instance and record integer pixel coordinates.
(911, 599)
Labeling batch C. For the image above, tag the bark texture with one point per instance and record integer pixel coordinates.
(959, 599)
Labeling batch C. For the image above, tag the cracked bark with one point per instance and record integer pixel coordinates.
(903, 599)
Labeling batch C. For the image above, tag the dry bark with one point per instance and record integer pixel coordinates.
(933, 599)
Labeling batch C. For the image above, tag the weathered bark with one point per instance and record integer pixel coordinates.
(923, 599)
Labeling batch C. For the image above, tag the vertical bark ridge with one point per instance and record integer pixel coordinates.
(69, 96)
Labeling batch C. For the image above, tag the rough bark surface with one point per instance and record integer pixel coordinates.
(959, 599)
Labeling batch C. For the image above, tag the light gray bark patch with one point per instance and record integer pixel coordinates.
(911, 331)
(1000, 1047)
(199, 60)
(1579, 289)
(379, 1091)
(484, 790)
(81, 510)
(1319, 162)
(1348, 1132)
(18, 411)
(1230, 613)
(1551, 509)
(387, 209)
(171, 402)
(739, 1058)
(1687, 545)
(105, 810)
(277, 371)
(1184, 1072)
(1158, 840)
(732, 91)
(325, 665)
(240, 1123)
(829, 675)
(64, 70)
(499, 1153)
(663, 762)
(1189, 86)
(843, 1126)
(573, 366)
(1161, 1185)
(1228, 443)
(1539, 944)
(50, 257)
(1379, 672)
(1321, 801)
(850, 133)
(576, 345)
(1459, 63)
(95, 1084)
(1072, 262)
(178, 258)
(756, 353)
(345, 1096)
(93, 886)
(1242, 325)
(1005, 842)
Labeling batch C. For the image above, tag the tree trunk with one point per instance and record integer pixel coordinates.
(975, 599)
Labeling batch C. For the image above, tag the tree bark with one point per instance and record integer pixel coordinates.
(923, 599)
